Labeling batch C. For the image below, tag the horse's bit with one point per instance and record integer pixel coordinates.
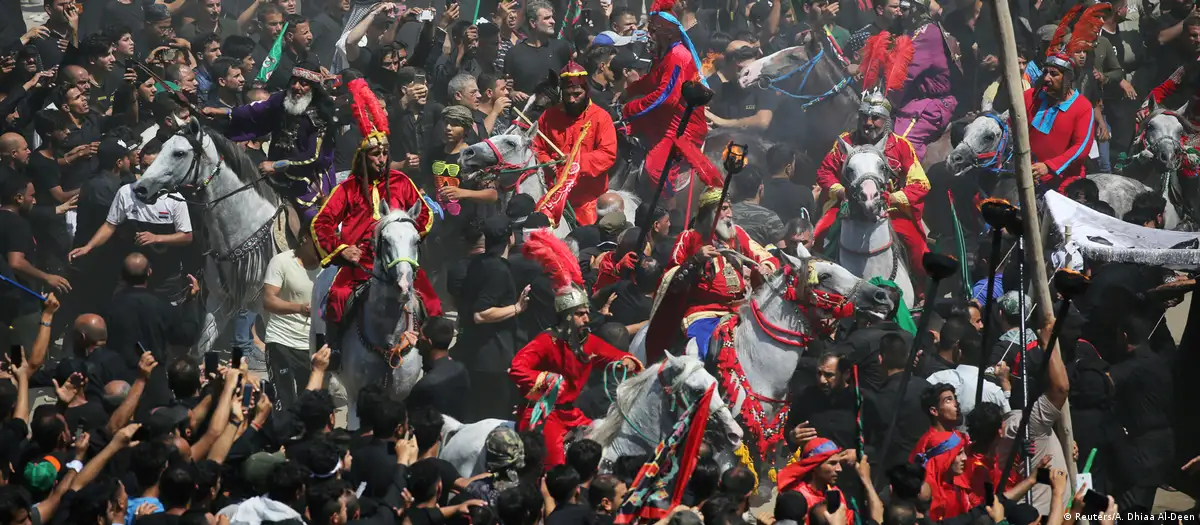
(993, 161)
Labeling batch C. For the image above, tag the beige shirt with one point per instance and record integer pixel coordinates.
(295, 286)
(1044, 442)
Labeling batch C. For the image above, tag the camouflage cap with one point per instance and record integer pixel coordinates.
(503, 450)
(1009, 304)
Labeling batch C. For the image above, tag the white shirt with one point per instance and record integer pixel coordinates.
(963, 378)
(165, 210)
(295, 285)
(1045, 443)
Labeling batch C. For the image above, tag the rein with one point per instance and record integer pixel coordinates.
(672, 389)
(991, 160)
(807, 68)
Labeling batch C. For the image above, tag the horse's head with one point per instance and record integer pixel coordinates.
(188, 160)
(985, 143)
(501, 149)
(830, 282)
(1162, 137)
(396, 248)
(687, 377)
(865, 175)
(770, 67)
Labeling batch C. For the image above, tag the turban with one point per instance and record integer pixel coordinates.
(814, 453)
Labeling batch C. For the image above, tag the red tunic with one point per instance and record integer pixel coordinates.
(597, 153)
(722, 284)
(951, 493)
(1060, 136)
(534, 369)
(814, 496)
(906, 194)
(657, 114)
(349, 208)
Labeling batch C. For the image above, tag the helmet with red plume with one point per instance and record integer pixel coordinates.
(561, 267)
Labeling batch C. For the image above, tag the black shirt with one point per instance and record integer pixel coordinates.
(325, 31)
(95, 197)
(788, 200)
(442, 388)
(136, 315)
(486, 347)
(631, 305)
(878, 408)
(529, 66)
(160, 518)
(16, 236)
(832, 415)
(732, 101)
(1144, 391)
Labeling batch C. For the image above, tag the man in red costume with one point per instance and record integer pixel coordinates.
(564, 125)
(356, 205)
(715, 286)
(554, 367)
(905, 193)
(815, 471)
(1061, 125)
(658, 111)
(942, 450)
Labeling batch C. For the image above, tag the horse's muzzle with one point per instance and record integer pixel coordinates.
(144, 194)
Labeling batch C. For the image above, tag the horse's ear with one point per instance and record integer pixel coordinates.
(415, 209)
(384, 209)
(844, 146)
(1182, 109)
(1153, 105)
(882, 144)
(1004, 116)
(193, 127)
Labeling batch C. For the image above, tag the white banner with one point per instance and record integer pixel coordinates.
(1100, 237)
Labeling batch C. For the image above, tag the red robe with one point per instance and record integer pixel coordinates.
(814, 496)
(722, 285)
(348, 207)
(1060, 136)
(532, 370)
(951, 493)
(596, 156)
(657, 114)
(906, 196)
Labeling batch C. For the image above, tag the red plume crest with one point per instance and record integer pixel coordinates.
(555, 257)
(367, 111)
(662, 5)
(1064, 27)
(886, 57)
(1087, 29)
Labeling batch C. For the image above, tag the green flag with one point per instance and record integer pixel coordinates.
(272, 61)
(962, 246)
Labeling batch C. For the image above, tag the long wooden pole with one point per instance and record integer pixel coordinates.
(1028, 200)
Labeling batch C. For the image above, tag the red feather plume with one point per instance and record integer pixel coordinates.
(1064, 27)
(662, 5)
(555, 257)
(899, 59)
(1087, 29)
(365, 108)
(873, 57)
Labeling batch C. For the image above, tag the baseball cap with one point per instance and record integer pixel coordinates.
(628, 59)
(156, 13)
(610, 38)
(113, 149)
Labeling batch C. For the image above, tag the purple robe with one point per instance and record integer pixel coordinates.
(926, 105)
(304, 163)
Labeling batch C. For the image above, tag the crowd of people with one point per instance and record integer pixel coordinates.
(353, 109)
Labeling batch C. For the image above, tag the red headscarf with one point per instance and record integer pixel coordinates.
(815, 452)
(937, 450)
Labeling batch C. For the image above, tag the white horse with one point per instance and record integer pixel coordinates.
(386, 309)
(641, 416)
(514, 157)
(1161, 146)
(239, 213)
(867, 245)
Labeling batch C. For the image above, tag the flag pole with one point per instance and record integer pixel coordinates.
(1024, 171)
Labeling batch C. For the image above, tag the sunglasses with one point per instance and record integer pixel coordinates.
(444, 168)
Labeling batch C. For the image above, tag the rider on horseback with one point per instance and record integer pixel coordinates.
(577, 119)
(906, 190)
(301, 123)
(554, 367)
(715, 282)
(356, 205)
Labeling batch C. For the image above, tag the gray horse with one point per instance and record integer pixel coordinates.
(867, 245)
(1161, 149)
(207, 167)
(387, 309)
(640, 417)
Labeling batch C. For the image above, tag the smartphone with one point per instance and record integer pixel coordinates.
(236, 360)
(833, 500)
(1094, 502)
(211, 363)
(450, 3)
(419, 78)
(268, 388)
(76, 379)
(989, 492)
(79, 436)
(14, 355)
(247, 395)
(425, 16)
(319, 339)
(335, 360)
(585, 17)
(1043, 476)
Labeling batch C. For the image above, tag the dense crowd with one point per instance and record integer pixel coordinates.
(352, 109)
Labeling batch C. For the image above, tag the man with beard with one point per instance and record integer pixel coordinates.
(656, 110)
(556, 364)
(906, 190)
(715, 283)
(577, 122)
(300, 122)
(927, 105)
(1061, 127)
(355, 205)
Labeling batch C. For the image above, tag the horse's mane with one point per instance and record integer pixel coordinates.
(633, 390)
(237, 160)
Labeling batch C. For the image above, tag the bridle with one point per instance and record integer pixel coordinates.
(388, 265)
(394, 356)
(1172, 144)
(195, 181)
(994, 160)
(807, 68)
(837, 305)
(503, 167)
